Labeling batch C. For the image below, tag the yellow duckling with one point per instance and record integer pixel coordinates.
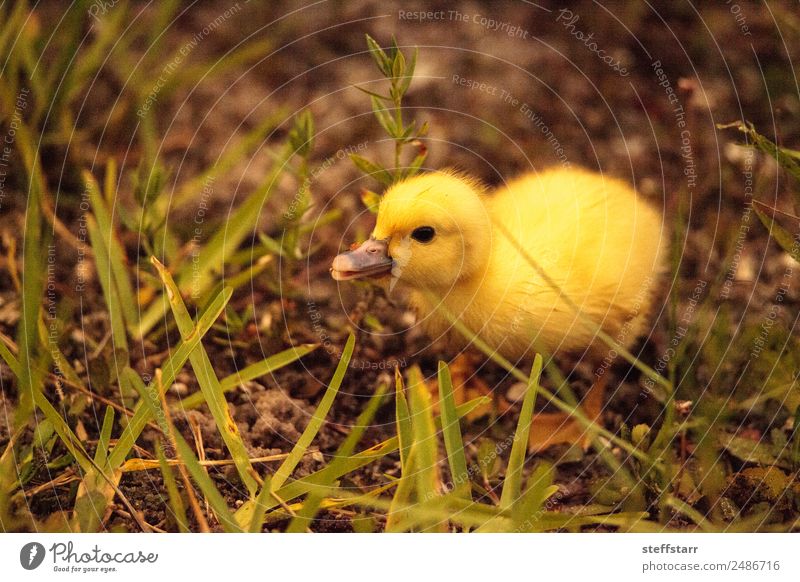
(544, 261)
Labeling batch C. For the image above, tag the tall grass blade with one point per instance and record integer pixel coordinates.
(209, 383)
(272, 486)
(173, 365)
(302, 521)
(402, 419)
(451, 430)
(512, 486)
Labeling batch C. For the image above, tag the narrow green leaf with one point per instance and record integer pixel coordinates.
(408, 74)
(198, 275)
(175, 500)
(206, 485)
(334, 470)
(384, 118)
(112, 298)
(453, 441)
(272, 487)
(9, 359)
(403, 420)
(379, 56)
(209, 383)
(785, 158)
(173, 365)
(782, 236)
(512, 486)
(302, 521)
(118, 262)
(372, 169)
(253, 371)
(71, 442)
(101, 454)
(317, 419)
(398, 65)
(528, 511)
(423, 427)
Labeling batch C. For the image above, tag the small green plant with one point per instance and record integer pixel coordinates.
(388, 110)
(789, 160)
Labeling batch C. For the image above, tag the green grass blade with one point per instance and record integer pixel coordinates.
(62, 364)
(339, 468)
(302, 521)
(209, 384)
(225, 242)
(253, 371)
(426, 443)
(512, 486)
(118, 261)
(174, 364)
(528, 510)
(317, 419)
(402, 419)
(101, 454)
(451, 430)
(268, 365)
(783, 237)
(398, 512)
(71, 442)
(113, 300)
(787, 159)
(287, 467)
(175, 500)
(206, 485)
(9, 358)
(35, 241)
(199, 274)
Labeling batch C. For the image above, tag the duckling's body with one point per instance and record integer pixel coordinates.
(500, 260)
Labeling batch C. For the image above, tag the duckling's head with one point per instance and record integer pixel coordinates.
(432, 231)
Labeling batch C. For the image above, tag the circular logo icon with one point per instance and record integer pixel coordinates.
(31, 555)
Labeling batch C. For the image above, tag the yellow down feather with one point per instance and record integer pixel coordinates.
(596, 241)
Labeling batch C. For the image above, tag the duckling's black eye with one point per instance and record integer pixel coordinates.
(423, 234)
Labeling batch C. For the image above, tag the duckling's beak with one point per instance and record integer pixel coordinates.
(371, 259)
